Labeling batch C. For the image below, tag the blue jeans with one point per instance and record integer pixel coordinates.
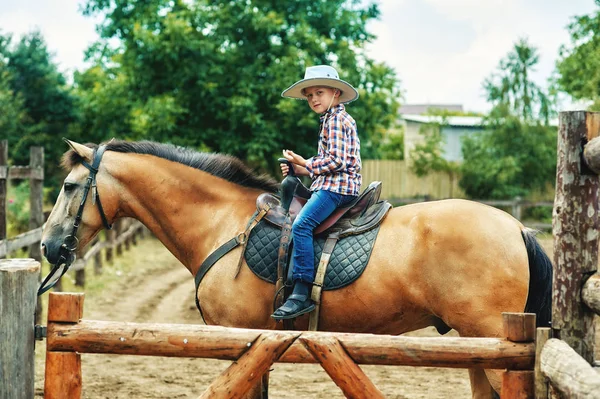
(320, 205)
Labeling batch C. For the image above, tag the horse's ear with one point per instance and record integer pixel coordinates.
(84, 152)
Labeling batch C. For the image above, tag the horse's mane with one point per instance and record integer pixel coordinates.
(224, 166)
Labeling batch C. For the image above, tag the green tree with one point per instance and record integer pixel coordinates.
(510, 159)
(11, 104)
(517, 152)
(392, 145)
(511, 87)
(578, 65)
(428, 155)
(49, 109)
(209, 74)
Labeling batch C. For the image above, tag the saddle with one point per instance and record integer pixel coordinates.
(360, 219)
(362, 215)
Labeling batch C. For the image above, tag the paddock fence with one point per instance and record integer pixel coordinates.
(566, 351)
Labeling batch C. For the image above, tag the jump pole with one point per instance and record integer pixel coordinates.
(18, 298)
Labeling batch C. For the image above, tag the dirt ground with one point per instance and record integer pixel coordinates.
(148, 284)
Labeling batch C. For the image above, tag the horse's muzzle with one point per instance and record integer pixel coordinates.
(51, 249)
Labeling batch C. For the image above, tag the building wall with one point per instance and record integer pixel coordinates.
(452, 139)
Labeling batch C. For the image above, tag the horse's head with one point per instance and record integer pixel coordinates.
(78, 214)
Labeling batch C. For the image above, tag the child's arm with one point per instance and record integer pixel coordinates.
(298, 163)
(334, 159)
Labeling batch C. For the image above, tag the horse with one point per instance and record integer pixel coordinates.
(456, 261)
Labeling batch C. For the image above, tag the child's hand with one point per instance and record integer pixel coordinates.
(284, 169)
(294, 158)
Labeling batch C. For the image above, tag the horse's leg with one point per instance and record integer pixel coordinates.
(480, 386)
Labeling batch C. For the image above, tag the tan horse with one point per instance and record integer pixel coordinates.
(455, 260)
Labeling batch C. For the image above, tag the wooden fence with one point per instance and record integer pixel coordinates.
(399, 181)
(121, 238)
(567, 349)
(254, 351)
(35, 174)
(124, 234)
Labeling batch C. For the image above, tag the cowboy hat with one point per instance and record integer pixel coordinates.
(321, 75)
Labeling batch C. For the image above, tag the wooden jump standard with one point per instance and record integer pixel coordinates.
(566, 359)
(254, 351)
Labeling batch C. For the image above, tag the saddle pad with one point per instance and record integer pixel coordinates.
(348, 260)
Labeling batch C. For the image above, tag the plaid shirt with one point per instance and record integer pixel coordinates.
(337, 165)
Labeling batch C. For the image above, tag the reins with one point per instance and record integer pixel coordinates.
(70, 242)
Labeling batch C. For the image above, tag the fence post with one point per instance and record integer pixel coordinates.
(63, 369)
(3, 187)
(110, 244)
(36, 212)
(18, 297)
(517, 208)
(97, 258)
(119, 228)
(575, 221)
(518, 327)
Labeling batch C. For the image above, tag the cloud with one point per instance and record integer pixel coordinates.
(443, 50)
(66, 32)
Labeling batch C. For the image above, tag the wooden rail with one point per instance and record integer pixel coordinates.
(124, 233)
(35, 173)
(569, 372)
(254, 351)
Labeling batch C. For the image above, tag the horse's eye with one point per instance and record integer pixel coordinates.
(69, 186)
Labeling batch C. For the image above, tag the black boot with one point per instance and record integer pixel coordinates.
(297, 304)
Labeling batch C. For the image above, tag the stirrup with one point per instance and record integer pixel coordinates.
(294, 309)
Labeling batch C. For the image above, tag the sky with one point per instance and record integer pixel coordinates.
(442, 50)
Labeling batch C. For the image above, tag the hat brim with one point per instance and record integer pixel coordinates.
(349, 93)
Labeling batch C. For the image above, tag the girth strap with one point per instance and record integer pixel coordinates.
(240, 239)
(282, 259)
(332, 239)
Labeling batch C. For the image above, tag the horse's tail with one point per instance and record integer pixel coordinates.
(539, 300)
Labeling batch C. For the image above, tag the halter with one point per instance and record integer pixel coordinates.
(69, 245)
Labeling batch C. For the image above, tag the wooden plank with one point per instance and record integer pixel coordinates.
(248, 370)
(575, 229)
(519, 327)
(541, 384)
(65, 307)
(26, 172)
(62, 375)
(18, 288)
(177, 340)
(340, 367)
(21, 241)
(591, 293)
(517, 385)
(568, 372)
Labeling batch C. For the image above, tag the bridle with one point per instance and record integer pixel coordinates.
(70, 242)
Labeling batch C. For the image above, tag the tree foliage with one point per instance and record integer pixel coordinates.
(511, 158)
(578, 65)
(209, 74)
(517, 152)
(42, 109)
(511, 87)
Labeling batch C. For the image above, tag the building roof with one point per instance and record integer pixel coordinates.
(420, 109)
(464, 121)
(460, 121)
